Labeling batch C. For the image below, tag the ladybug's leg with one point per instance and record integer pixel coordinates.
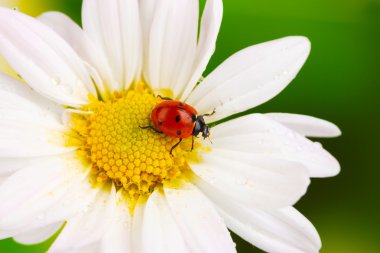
(164, 98)
(210, 114)
(192, 143)
(152, 128)
(176, 145)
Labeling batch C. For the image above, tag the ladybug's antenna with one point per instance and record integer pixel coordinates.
(163, 98)
(210, 114)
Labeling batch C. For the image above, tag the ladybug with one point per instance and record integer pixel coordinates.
(179, 120)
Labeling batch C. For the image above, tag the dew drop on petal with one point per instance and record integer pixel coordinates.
(241, 181)
(86, 209)
(56, 80)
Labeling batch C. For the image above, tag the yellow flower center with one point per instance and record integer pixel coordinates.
(111, 140)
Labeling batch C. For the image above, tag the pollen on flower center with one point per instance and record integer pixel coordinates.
(119, 150)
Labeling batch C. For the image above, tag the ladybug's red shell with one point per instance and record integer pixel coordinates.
(174, 118)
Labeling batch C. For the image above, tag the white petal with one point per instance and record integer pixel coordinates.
(275, 231)
(306, 125)
(30, 124)
(26, 184)
(209, 29)
(138, 216)
(250, 77)
(10, 165)
(16, 95)
(38, 235)
(2, 179)
(115, 28)
(118, 235)
(88, 226)
(25, 134)
(92, 248)
(170, 30)
(160, 233)
(83, 46)
(257, 135)
(201, 226)
(258, 183)
(29, 195)
(77, 198)
(278, 231)
(43, 59)
(50, 199)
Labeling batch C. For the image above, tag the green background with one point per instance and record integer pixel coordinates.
(340, 83)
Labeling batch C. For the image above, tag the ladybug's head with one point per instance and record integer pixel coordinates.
(201, 127)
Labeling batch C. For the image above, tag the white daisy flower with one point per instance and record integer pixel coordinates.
(73, 154)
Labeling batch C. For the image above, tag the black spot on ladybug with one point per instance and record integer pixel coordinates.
(179, 132)
(177, 118)
(181, 104)
(160, 123)
(193, 117)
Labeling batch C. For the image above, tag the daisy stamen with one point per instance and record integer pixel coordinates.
(120, 151)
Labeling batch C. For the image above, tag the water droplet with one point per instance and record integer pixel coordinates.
(56, 80)
(212, 180)
(241, 181)
(86, 209)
